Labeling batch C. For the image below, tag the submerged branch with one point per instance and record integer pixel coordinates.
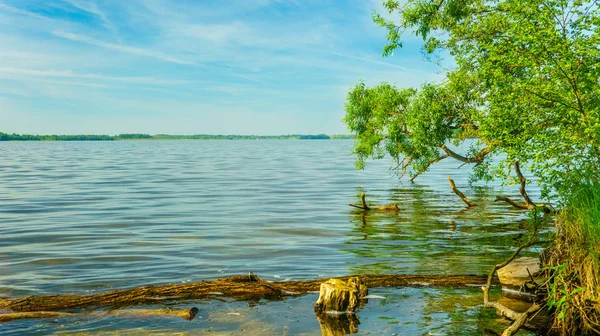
(365, 206)
(460, 194)
(246, 287)
(511, 202)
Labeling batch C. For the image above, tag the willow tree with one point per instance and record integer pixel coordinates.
(524, 85)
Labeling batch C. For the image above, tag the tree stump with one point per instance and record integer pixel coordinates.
(520, 274)
(340, 296)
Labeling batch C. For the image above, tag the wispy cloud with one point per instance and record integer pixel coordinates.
(125, 49)
(92, 7)
(71, 74)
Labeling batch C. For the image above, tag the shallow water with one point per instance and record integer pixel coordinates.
(92, 216)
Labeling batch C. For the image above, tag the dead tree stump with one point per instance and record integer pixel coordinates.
(340, 296)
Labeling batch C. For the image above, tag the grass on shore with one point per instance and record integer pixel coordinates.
(574, 288)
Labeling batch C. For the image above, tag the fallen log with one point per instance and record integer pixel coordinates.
(246, 287)
(366, 207)
(187, 314)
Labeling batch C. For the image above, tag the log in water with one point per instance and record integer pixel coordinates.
(244, 287)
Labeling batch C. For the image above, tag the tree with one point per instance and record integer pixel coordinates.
(524, 85)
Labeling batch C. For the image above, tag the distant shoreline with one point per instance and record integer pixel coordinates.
(140, 136)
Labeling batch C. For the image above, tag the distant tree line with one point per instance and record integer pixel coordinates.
(29, 137)
(141, 136)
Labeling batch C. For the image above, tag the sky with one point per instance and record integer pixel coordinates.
(263, 67)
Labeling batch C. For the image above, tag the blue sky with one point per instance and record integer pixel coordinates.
(189, 67)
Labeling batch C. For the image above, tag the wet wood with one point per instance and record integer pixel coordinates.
(519, 272)
(460, 194)
(366, 207)
(187, 314)
(519, 318)
(246, 287)
(515, 204)
(337, 295)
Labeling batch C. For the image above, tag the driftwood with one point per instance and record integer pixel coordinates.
(521, 273)
(247, 287)
(365, 206)
(519, 318)
(187, 314)
(460, 194)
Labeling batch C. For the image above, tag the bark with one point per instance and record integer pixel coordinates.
(187, 314)
(246, 287)
(340, 296)
(511, 202)
(460, 194)
(520, 322)
(523, 182)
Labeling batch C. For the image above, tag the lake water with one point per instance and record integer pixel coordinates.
(82, 217)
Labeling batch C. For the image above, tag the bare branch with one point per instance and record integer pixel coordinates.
(412, 179)
(511, 202)
(460, 194)
(364, 206)
(523, 182)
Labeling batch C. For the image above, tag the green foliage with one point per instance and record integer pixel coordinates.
(525, 85)
(29, 137)
(134, 136)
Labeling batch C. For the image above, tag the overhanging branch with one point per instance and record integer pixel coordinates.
(476, 159)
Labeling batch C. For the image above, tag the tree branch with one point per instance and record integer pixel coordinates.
(460, 194)
(523, 182)
(476, 159)
(364, 206)
(438, 159)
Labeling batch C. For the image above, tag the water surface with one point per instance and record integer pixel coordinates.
(79, 217)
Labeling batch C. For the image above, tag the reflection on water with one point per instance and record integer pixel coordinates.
(429, 236)
(85, 217)
(401, 311)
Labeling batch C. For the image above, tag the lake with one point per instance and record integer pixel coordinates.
(83, 217)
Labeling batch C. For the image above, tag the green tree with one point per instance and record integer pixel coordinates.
(524, 84)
